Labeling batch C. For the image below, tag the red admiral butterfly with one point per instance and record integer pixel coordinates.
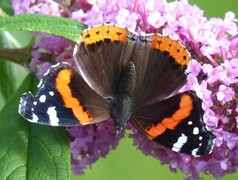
(129, 78)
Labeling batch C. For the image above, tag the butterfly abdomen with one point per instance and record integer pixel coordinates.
(122, 104)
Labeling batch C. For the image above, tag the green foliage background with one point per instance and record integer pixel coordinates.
(126, 162)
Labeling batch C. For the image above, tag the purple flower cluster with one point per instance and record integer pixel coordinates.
(213, 74)
(90, 142)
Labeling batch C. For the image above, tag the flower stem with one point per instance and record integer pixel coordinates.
(20, 56)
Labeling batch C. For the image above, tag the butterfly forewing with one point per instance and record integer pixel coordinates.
(64, 99)
(176, 123)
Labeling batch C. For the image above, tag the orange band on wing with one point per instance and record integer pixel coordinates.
(62, 85)
(102, 32)
(185, 108)
(175, 49)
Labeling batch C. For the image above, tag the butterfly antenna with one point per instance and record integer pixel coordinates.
(113, 131)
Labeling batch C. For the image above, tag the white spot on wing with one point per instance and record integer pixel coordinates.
(35, 103)
(54, 121)
(195, 131)
(190, 122)
(51, 93)
(179, 144)
(42, 98)
(195, 152)
(34, 118)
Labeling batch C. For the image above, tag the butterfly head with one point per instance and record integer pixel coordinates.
(119, 130)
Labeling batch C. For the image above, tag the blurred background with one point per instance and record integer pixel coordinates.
(126, 162)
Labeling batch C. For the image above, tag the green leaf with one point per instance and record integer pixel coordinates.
(6, 6)
(58, 26)
(1, 40)
(29, 151)
(7, 83)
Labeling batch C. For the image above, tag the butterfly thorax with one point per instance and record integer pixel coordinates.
(122, 107)
(122, 104)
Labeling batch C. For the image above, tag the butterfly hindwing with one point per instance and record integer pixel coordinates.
(104, 52)
(63, 99)
(159, 74)
(177, 124)
(101, 54)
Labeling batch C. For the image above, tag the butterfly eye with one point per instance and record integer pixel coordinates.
(119, 131)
